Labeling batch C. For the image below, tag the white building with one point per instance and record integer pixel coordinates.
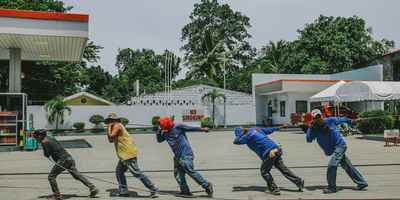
(277, 96)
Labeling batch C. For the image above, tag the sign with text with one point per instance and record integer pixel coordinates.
(191, 115)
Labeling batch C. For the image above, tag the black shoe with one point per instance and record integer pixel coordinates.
(362, 187)
(185, 194)
(93, 192)
(153, 194)
(210, 190)
(329, 191)
(123, 194)
(275, 192)
(301, 186)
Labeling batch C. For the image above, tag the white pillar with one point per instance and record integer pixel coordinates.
(15, 71)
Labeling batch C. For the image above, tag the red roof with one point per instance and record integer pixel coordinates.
(55, 16)
(298, 81)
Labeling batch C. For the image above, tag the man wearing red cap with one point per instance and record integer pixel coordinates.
(175, 135)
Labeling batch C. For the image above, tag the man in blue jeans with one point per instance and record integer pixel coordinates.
(175, 135)
(269, 152)
(333, 144)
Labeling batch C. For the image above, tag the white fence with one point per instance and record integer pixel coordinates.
(139, 114)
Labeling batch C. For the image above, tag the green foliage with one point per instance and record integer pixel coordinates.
(215, 35)
(36, 5)
(207, 122)
(213, 96)
(56, 109)
(376, 122)
(155, 121)
(124, 121)
(95, 80)
(79, 126)
(96, 119)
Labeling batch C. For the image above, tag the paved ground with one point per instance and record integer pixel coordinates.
(233, 169)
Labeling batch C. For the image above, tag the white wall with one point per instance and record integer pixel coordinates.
(236, 114)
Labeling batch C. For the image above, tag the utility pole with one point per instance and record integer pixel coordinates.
(225, 91)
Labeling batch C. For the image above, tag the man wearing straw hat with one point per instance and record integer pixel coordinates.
(127, 153)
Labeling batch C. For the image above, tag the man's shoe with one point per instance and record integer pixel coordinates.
(275, 192)
(185, 194)
(55, 197)
(123, 193)
(362, 187)
(153, 194)
(210, 190)
(329, 191)
(93, 192)
(301, 186)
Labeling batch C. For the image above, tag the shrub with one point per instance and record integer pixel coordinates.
(96, 119)
(155, 120)
(376, 121)
(79, 126)
(206, 122)
(124, 121)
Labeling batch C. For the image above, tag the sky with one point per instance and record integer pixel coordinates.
(157, 24)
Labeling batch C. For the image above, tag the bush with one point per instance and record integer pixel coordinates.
(376, 122)
(124, 121)
(206, 122)
(155, 121)
(96, 119)
(79, 126)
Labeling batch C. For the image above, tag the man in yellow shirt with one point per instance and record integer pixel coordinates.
(127, 153)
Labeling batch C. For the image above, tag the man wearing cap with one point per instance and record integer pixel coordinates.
(175, 135)
(52, 148)
(269, 152)
(332, 143)
(127, 153)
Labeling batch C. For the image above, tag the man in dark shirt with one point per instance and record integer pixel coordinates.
(175, 135)
(52, 148)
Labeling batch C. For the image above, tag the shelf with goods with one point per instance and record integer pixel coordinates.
(8, 128)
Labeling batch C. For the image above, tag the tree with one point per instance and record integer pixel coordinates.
(215, 32)
(37, 5)
(147, 67)
(213, 96)
(56, 109)
(95, 80)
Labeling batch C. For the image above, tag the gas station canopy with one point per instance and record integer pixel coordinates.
(40, 36)
(43, 35)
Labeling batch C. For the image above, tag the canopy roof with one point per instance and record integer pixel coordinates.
(329, 94)
(369, 91)
(43, 35)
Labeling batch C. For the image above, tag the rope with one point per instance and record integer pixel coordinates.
(135, 188)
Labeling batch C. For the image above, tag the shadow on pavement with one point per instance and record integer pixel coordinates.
(258, 189)
(321, 187)
(64, 196)
(378, 138)
(131, 194)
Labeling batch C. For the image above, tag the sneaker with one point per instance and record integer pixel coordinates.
(153, 194)
(123, 193)
(210, 190)
(275, 192)
(93, 192)
(329, 191)
(301, 186)
(362, 187)
(185, 194)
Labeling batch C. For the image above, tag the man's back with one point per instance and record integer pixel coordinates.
(51, 147)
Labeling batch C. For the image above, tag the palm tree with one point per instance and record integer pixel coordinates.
(213, 96)
(56, 109)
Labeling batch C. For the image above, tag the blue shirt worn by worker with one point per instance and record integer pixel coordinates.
(330, 140)
(178, 140)
(257, 140)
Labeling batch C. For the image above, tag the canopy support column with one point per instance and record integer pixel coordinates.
(14, 84)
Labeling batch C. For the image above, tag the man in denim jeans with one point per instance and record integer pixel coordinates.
(176, 137)
(127, 154)
(269, 152)
(333, 144)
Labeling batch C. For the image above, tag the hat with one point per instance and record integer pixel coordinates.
(316, 112)
(166, 123)
(112, 117)
(39, 132)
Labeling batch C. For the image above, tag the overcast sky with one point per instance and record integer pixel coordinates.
(157, 24)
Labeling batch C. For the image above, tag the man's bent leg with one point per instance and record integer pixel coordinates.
(179, 174)
(55, 171)
(280, 165)
(332, 167)
(70, 164)
(133, 167)
(265, 169)
(120, 174)
(354, 174)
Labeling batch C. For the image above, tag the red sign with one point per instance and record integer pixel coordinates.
(192, 115)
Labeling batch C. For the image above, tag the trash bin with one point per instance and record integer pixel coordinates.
(30, 144)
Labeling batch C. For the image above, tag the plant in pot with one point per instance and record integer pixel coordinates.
(79, 126)
(97, 120)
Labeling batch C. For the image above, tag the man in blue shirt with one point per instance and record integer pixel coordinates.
(175, 135)
(333, 144)
(269, 152)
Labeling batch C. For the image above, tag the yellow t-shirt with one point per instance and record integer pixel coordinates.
(125, 146)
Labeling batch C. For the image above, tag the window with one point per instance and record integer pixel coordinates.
(84, 101)
(282, 108)
(301, 106)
